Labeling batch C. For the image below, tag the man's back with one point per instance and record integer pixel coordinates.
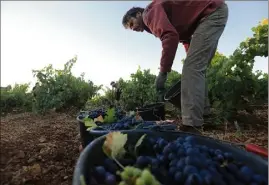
(184, 15)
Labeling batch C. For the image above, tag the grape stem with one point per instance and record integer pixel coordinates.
(117, 162)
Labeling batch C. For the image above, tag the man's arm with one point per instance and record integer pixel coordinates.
(156, 20)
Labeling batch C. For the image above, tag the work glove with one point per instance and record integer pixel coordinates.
(160, 81)
(160, 85)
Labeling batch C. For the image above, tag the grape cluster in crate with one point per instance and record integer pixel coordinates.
(117, 119)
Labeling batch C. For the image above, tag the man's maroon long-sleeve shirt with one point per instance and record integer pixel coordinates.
(175, 21)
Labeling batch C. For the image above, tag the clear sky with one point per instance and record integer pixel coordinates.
(35, 34)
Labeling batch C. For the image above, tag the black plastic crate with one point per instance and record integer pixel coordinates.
(103, 128)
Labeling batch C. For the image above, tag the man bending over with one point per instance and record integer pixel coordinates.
(198, 25)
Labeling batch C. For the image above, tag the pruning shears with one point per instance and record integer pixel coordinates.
(256, 149)
(252, 148)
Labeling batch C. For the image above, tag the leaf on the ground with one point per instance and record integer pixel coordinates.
(114, 144)
(34, 170)
(250, 140)
(139, 142)
(99, 119)
(110, 118)
(42, 139)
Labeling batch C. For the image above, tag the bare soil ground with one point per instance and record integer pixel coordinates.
(39, 150)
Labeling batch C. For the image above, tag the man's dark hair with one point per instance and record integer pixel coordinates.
(131, 13)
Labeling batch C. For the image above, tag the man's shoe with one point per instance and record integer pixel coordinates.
(191, 129)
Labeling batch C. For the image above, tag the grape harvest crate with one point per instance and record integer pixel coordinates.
(91, 130)
(166, 158)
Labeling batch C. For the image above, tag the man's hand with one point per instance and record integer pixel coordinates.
(160, 81)
(160, 85)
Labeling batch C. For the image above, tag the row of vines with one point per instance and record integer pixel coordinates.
(232, 84)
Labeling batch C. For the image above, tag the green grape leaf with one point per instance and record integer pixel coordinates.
(114, 145)
(110, 118)
(92, 127)
(88, 122)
